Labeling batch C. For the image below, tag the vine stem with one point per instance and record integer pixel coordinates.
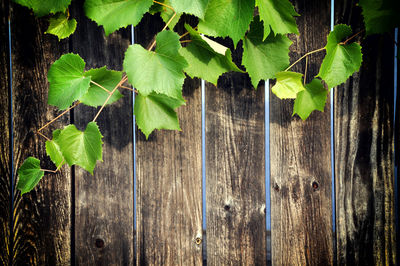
(186, 41)
(346, 41)
(127, 88)
(54, 171)
(98, 85)
(125, 78)
(63, 113)
(301, 58)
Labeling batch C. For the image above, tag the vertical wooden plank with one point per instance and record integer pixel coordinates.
(169, 214)
(364, 153)
(42, 218)
(104, 202)
(5, 139)
(235, 190)
(301, 190)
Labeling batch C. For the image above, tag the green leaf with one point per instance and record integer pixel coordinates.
(53, 149)
(204, 61)
(341, 61)
(310, 99)
(278, 16)
(160, 71)
(115, 14)
(61, 26)
(29, 175)
(96, 96)
(194, 7)
(45, 7)
(81, 148)
(67, 81)
(156, 111)
(225, 18)
(380, 16)
(288, 85)
(263, 59)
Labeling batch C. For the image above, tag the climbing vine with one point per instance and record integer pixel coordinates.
(157, 72)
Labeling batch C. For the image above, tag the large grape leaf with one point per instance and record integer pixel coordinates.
(67, 81)
(96, 96)
(160, 71)
(278, 16)
(263, 59)
(53, 149)
(115, 14)
(380, 16)
(341, 60)
(29, 174)
(61, 26)
(204, 61)
(45, 7)
(310, 99)
(156, 111)
(81, 148)
(227, 18)
(288, 84)
(194, 7)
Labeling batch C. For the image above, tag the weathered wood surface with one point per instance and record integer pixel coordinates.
(42, 218)
(235, 190)
(169, 200)
(364, 153)
(5, 139)
(301, 205)
(104, 226)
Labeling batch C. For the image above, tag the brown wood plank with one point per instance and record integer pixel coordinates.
(364, 148)
(169, 201)
(5, 139)
(301, 211)
(235, 182)
(43, 216)
(104, 202)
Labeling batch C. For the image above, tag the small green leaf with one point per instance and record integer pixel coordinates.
(310, 99)
(96, 96)
(277, 15)
(53, 149)
(194, 7)
(45, 7)
(288, 85)
(341, 60)
(160, 71)
(115, 14)
(81, 148)
(156, 111)
(29, 175)
(67, 81)
(61, 26)
(380, 16)
(225, 18)
(204, 61)
(263, 59)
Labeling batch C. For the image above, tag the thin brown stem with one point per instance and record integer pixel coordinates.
(125, 78)
(54, 171)
(186, 33)
(127, 88)
(307, 54)
(166, 25)
(305, 71)
(350, 38)
(186, 41)
(98, 85)
(63, 113)
(44, 136)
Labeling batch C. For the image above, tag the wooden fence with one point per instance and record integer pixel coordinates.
(75, 218)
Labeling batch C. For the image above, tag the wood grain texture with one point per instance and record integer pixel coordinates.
(42, 219)
(364, 153)
(235, 190)
(5, 139)
(169, 200)
(104, 201)
(301, 205)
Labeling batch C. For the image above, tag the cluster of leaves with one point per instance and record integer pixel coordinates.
(158, 75)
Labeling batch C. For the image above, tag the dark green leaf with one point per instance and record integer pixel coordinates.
(29, 174)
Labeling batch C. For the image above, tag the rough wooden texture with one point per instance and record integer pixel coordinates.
(42, 219)
(104, 201)
(235, 190)
(5, 139)
(169, 201)
(364, 153)
(301, 211)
